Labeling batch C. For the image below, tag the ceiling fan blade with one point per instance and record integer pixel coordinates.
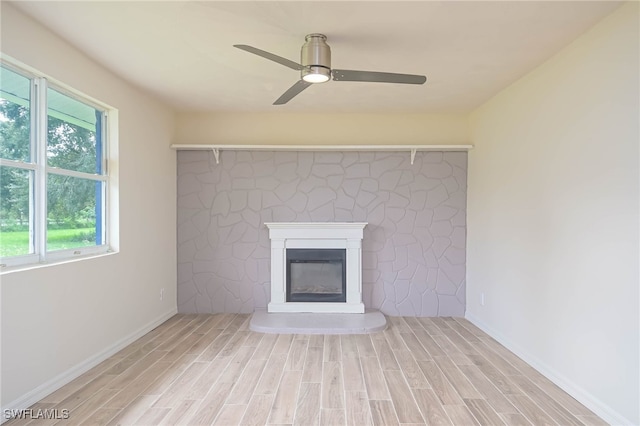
(270, 56)
(377, 77)
(292, 92)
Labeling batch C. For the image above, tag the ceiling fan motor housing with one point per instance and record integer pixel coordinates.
(315, 56)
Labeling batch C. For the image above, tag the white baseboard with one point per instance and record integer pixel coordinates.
(35, 395)
(594, 404)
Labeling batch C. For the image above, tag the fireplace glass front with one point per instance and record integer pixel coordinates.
(316, 275)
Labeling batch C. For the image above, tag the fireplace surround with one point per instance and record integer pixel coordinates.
(324, 258)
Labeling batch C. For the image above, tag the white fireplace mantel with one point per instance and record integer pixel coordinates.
(316, 235)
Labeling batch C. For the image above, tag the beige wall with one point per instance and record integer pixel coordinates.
(59, 319)
(553, 217)
(321, 129)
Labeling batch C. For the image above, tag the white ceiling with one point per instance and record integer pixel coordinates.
(182, 50)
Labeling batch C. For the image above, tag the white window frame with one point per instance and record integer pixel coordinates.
(40, 170)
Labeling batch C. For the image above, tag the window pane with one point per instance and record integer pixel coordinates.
(74, 218)
(73, 141)
(15, 129)
(15, 223)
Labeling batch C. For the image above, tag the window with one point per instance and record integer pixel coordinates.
(53, 171)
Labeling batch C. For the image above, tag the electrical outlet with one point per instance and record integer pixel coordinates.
(162, 294)
(481, 299)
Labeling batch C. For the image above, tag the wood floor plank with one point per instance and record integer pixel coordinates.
(268, 383)
(207, 379)
(383, 413)
(282, 344)
(332, 417)
(212, 404)
(152, 416)
(284, 404)
(253, 339)
(463, 386)
(85, 392)
(460, 415)
(440, 384)
(358, 411)
(395, 341)
(132, 412)
(499, 380)
(462, 331)
(374, 379)
(86, 409)
(398, 324)
(312, 370)
(461, 343)
(516, 419)
(470, 326)
(530, 410)
(135, 370)
(483, 412)
(201, 345)
(402, 398)
(238, 323)
(505, 367)
(225, 320)
(489, 392)
(234, 343)
(258, 410)
(431, 407)
(365, 347)
(246, 383)
(561, 397)
(308, 405)
(297, 355)
(206, 369)
(180, 335)
(316, 340)
(428, 342)
(138, 386)
(551, 407)
(100, 417)
(332, 350)
(384, 352)
(179, 388)
(215, 347)
(163, 381)
(229, 415)
(266, 346)
(184, 410)
(349, 346)
(183, 347)
(429, 326)
(415, 347)
(412, 322)
(332, 387)
(450, 349)
(352, 377)
(411, 370)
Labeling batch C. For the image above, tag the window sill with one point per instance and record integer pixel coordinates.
(54, 262)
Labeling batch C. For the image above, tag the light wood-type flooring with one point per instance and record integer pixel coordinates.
(211, 369)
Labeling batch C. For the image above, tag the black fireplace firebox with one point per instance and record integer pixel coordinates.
(316, 275)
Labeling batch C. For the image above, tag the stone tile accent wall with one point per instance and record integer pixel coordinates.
(413, 248)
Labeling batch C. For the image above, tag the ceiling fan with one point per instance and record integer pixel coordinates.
(315, 67)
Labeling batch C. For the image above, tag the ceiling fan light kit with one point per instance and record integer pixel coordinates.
(315, 57)
(315, 67)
